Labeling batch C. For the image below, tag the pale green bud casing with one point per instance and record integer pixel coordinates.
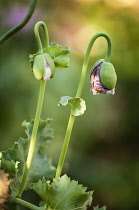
(39, 66)
(43, 67)
(97, 63)
(108, 76)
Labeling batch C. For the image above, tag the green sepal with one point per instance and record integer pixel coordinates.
(63, 194)
(108, 75)
(78, 105)
(39, 66)
(96, 64)
(102, 208)
(43, 67)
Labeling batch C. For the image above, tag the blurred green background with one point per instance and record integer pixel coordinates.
(104, 149)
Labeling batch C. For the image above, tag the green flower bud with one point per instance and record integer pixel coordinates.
(103, 78)
(39, 66)
(43, 67)
(108, 76)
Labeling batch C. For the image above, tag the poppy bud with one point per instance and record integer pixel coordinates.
(103, 78)
(43, 67)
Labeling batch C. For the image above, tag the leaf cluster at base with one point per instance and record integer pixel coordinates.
(63, 194)
(13, 160)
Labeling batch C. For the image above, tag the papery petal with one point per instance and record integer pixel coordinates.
(47, 74)
(96, 86)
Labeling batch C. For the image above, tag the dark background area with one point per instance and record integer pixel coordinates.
(104, 149)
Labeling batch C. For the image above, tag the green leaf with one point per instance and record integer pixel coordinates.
(41, 167)
(9, 165)
(78, 105)
(44, 135)
(59, 55)
(63, 194)
(102, 208)
(14, 159)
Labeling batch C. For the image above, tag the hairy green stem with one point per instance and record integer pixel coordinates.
(46, 36)
(65, 146)
(19, 26)
(39, 108)
(78, 94)
(27, 204)
(33, 138)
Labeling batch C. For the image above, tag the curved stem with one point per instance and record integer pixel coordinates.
(33, 138)
(46, 36)
(86, 59)
(26, 204)
(39, 108)
(65, 146)
(79, 91)
(15, 29)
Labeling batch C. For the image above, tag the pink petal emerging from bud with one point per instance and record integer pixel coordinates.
(47, 72)
(96, 86)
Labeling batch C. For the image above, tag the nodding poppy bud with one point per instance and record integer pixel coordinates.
(43, 67)
(103, 78)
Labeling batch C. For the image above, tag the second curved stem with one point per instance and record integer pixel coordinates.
(86, 59)
(78, 94)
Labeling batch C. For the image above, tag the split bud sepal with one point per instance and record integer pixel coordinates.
(45, 63)
(43, 67)
(103, 78)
